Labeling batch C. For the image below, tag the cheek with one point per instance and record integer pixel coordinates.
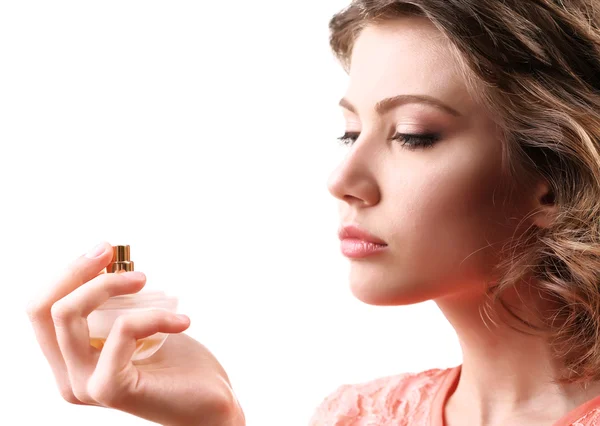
(456, 217)
(446, 225)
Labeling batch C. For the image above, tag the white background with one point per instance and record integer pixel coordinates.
(202, 134)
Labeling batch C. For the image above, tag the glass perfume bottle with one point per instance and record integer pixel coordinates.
(101, 320)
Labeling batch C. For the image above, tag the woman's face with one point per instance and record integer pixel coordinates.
(442, 209)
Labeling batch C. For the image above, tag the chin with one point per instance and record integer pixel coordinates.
(381, 291)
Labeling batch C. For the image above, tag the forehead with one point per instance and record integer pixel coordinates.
(407, 55)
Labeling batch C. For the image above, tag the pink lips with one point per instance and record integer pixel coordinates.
(356, 243)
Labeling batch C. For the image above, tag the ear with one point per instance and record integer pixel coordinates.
(544, 204)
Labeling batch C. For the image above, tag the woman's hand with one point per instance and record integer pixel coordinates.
(181, 385)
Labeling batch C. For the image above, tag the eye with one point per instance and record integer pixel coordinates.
(349, 138)
(406, 139)
(423, 140)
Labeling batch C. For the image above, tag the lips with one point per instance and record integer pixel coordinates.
(354, 232)
(357, 243)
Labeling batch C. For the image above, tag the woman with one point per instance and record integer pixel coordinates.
(472, 179)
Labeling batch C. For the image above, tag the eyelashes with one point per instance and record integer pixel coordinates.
(410, 140)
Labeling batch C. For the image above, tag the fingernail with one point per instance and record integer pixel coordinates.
(96, 251)
(182, 318)
(137, 275)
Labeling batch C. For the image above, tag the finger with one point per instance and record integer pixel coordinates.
(80, 271)
(69, 315)
(128, 329)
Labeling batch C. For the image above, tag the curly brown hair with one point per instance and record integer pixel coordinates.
(535, 65)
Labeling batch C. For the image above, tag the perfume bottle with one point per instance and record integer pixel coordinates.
(101, 320)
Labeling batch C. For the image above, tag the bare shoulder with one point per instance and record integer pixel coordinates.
(385, 400)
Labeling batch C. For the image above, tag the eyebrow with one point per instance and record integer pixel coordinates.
(388, 104)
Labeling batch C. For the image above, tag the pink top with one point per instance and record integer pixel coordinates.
(412, 399)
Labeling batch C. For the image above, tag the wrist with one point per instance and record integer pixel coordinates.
(224, 410)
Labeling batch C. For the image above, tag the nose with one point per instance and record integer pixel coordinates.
(354, 180)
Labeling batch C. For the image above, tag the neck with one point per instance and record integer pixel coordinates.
(505, 373)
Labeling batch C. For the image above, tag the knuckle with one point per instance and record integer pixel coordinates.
(122, 324)
(104, 279)
(68, 395)
(81, 395)
(103, 390)
(222, 408)
(109, 282)
(39, 308)
(223, 402)
(36, 310)
(61, 313)
(71, 275)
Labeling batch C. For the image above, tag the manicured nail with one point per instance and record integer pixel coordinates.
(96, 251)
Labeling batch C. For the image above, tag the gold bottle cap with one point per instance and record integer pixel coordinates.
(121, 260)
